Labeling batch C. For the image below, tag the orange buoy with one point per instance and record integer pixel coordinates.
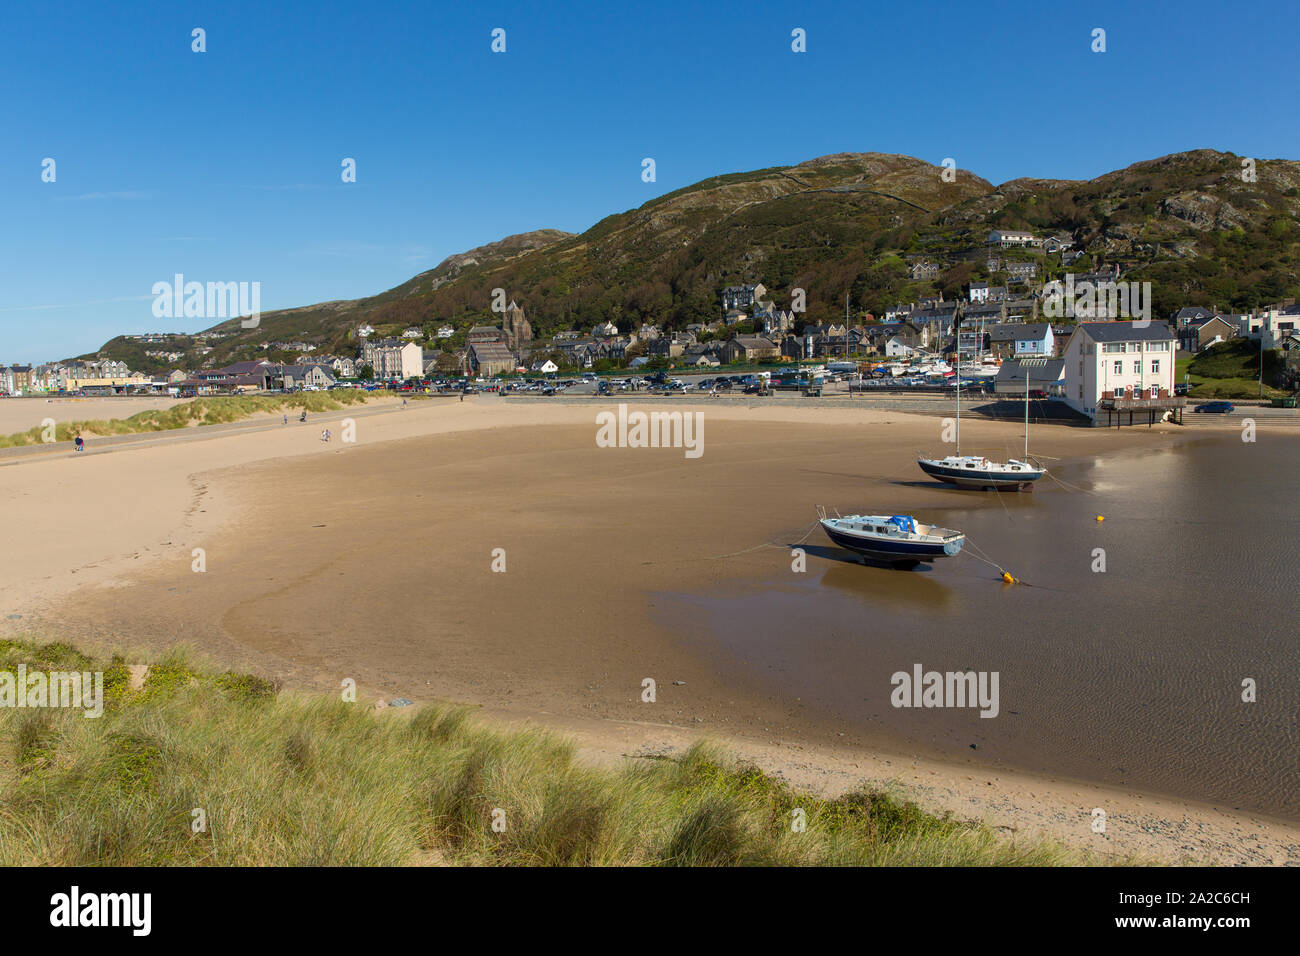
(1007, 578)
(1101, 517)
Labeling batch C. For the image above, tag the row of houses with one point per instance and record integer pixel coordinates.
(1100, 369)
(1198, 328)
(926, 331)
(258, 375)
(95, 375)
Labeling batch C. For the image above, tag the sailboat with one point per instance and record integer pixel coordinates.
(972, 471)
(900, 540)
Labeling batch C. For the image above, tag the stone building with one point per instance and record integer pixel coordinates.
(517, 330)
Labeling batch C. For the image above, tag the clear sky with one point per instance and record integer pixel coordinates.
(225, 165)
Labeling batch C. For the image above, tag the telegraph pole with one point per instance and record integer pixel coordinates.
(1261, 358)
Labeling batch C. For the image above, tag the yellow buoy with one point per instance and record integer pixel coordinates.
(1101, 517)
(1007, 578)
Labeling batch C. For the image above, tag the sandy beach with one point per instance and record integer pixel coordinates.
(20, 414)
(375, 560)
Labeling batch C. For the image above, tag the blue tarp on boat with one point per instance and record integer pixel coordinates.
(904, 522)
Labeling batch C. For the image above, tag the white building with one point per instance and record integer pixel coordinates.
(343, 367)
(1273, 324)
(1007, 238)
(897, 347)
(979, 291)
(1113, 367)
(397, 361)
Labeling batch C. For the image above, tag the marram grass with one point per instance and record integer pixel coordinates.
(216, 410)
(288, 779)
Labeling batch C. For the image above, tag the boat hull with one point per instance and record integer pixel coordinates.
(978, 478)
(894, 552)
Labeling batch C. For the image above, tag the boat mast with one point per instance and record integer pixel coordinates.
(1026, 413)
(846, 326)
(956, 332)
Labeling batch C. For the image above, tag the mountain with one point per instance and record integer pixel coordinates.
(846, 224)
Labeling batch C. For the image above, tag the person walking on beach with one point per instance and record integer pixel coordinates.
(81, 445)
(304, 416)
(286, 418)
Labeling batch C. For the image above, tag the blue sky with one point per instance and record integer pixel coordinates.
(225, 165)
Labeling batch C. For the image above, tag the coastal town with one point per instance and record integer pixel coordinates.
(1101, 358)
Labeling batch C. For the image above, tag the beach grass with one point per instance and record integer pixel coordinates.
(197, 767)
(199, 411)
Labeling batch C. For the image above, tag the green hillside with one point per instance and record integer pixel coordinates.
(1231, 370)
(837, 226)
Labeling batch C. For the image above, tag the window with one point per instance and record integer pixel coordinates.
(1119, 368)
(1155, 366)
(1157, 346)
(1113, 347)
(1137, 366)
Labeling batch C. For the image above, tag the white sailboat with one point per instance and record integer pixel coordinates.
(971, 471)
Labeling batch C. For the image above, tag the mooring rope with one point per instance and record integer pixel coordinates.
(765, 544)
(1066, 485)
(1005, 509)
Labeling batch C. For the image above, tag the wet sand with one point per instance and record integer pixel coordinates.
(374, 561)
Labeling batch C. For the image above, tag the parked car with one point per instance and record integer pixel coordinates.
(1216, 408)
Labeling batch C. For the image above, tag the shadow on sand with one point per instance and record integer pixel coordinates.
(880, 585)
